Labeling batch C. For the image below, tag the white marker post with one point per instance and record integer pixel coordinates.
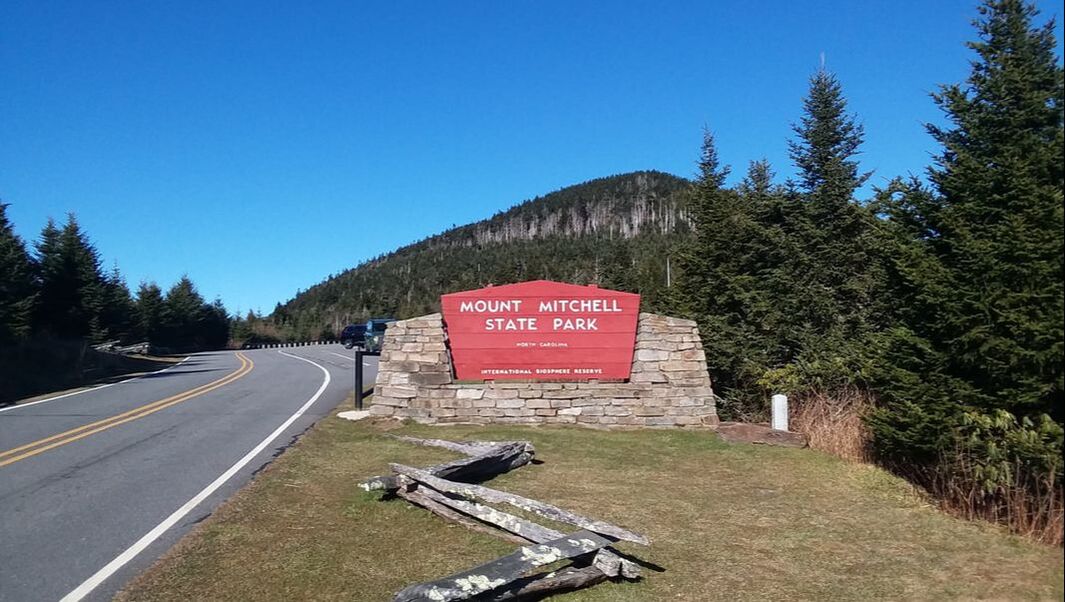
(780, 412)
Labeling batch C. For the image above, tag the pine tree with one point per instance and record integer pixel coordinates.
(17, 293)
(185, 315)
(975, 363)
(720, 278)
(828, 276)
(758, 183)
(697, 258)
(214, 333)
(918, 398)
(618, 267)
(118, 313)
(53, 298)
(71, 293)
(83, 262)
(241, 330)
(151, 312)
(998, 226)
(828, 140)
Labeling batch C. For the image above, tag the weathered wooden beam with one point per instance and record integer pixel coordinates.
(613, 565)
(470, 448)
(606, 561)
(555, 513)
(489, 462)
(502, 571)
(492, 461)
(529, 530)
(381, 483)
(455, 446)
(417, 496)
(567, 579)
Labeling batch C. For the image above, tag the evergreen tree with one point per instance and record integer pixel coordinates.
(758, 183)
(214, 332)
(241, 329)
(619, 270)
(83, 261)
(720, 278)
(185, 315)
(918, 403)
(828, 140)
(53, 298)
(71, 293)
(828, 276)
(151, 313)
(280, 314)
(998, 226)
(696, 259)
(978, 275)
(118, 313)
(16, 283)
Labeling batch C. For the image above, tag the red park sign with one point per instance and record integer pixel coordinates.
(541, 330)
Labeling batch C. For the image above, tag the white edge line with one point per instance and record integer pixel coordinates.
(347, 357)
(139, 546)
(96, 388)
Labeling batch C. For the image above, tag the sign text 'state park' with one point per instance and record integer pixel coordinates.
(541, 330)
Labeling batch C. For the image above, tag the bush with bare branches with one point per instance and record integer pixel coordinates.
(834, 422)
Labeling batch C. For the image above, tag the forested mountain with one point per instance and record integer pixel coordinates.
(616, 232)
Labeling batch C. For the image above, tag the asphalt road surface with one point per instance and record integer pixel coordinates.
(95, 486)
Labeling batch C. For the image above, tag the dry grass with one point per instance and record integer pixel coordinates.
(728, 522)
(1030, 505)
(834, 423)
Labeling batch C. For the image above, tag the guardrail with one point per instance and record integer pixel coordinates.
(291, 344)
(360, 386)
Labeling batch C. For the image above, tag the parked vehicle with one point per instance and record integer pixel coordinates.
(352, 335)
(375, 333)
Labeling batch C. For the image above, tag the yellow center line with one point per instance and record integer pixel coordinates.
(123, 414)
(246, 366)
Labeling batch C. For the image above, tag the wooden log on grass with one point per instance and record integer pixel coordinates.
(606, 561)
(489, 462)
(455, 446)
(380, 483)
(548, 511)
(470, 448)
(499, 572)
(564, 580)
(418, 497)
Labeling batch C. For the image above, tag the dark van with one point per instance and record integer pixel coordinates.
(375, 333)
(353, 334)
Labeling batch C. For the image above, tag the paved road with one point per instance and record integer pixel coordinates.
(95, 486)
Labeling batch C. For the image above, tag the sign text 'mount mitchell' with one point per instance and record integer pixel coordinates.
(541, 330)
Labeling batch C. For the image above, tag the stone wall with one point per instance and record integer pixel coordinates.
(669, 385)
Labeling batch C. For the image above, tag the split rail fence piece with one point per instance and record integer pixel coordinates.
(445, 490)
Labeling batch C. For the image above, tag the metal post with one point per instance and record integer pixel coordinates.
(358, 379)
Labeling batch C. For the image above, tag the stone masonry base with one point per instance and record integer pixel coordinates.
(669, 385)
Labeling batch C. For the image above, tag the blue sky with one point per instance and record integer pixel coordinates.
(261, 146)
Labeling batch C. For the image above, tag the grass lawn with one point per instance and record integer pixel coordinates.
(727, 522)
